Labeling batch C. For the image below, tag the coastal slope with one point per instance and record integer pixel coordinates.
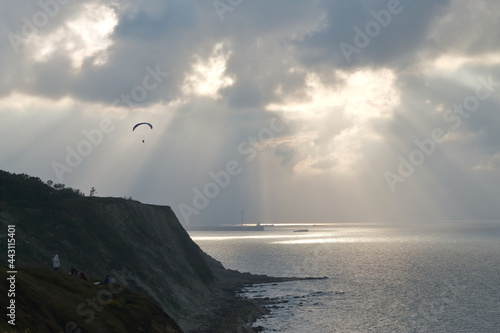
(142, 247)
(48, 301)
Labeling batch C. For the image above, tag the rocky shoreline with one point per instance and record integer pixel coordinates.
(236, 313)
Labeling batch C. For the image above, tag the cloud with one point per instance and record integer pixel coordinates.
(208, 75)
(337, 121)
(218, 83)
(398, 43)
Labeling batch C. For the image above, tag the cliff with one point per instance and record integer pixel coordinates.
(144, 247)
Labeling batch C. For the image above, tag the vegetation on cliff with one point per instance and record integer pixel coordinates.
(144, 246)
(19, 188)
(48, 301)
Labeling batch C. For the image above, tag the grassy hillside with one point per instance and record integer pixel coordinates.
(48, 301)
(144, 244)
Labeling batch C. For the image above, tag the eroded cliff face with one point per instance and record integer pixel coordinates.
(142, 246)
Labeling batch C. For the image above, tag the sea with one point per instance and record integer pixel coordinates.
(424, 277)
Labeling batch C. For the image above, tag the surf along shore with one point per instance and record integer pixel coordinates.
(236, 313)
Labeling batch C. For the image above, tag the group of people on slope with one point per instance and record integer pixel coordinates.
(56, 264)
(81, 275)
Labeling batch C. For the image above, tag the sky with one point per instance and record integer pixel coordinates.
(288, 111)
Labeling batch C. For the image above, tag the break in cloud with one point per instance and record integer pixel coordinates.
(315, 107)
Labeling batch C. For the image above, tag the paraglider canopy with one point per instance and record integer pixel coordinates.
(139, 124)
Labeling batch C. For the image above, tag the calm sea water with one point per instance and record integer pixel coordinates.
(383, 278)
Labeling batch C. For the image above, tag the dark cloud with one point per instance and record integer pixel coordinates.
(396, 44)
(433, 52)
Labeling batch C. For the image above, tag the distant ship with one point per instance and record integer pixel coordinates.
(256, 227)
(301, 230)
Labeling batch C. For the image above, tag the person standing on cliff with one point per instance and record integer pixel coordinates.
(55, 262)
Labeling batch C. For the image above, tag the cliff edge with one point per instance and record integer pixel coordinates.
(142, 247)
